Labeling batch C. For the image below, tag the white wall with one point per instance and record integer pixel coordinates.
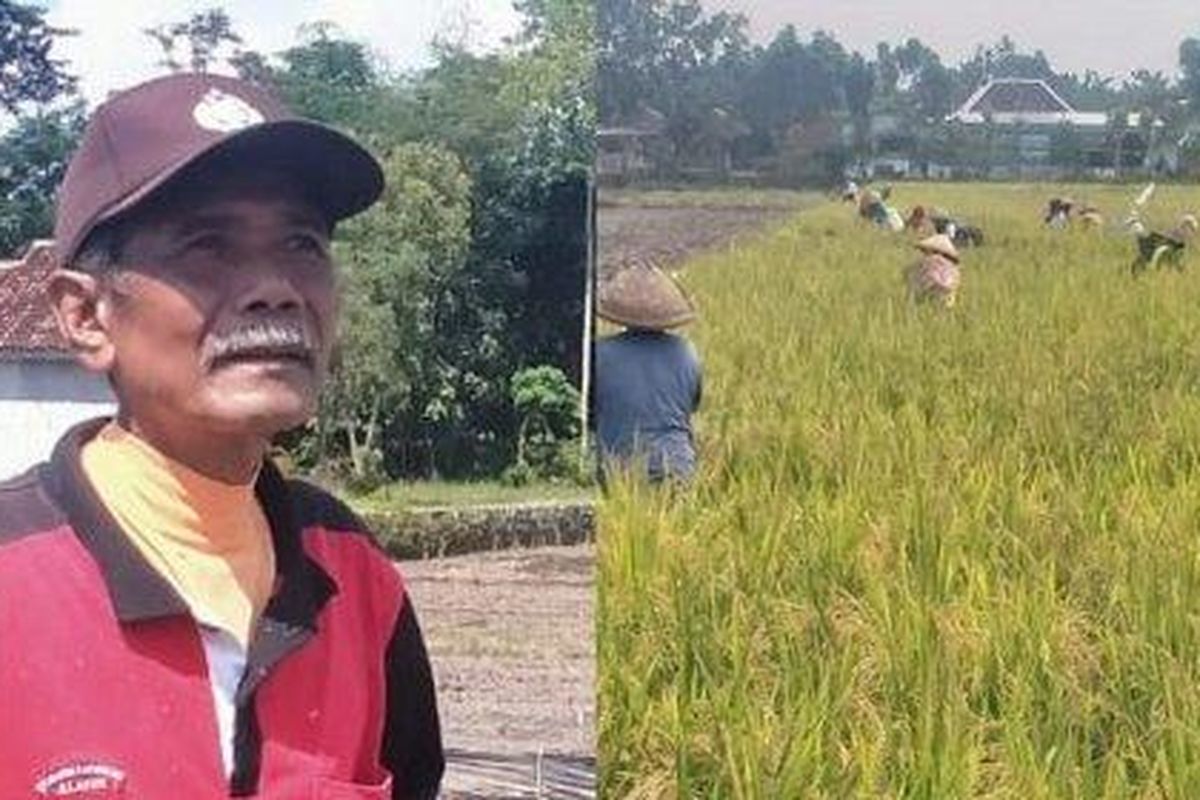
(39, 401)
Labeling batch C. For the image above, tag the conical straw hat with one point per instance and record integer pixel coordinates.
(644, 296)
(939, 243)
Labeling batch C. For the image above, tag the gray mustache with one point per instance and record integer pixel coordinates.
(282, 337)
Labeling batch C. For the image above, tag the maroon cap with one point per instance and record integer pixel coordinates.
(142, 138)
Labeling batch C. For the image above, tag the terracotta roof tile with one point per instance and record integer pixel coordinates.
(27, 327)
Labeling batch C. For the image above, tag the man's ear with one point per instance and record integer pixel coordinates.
(83, 319)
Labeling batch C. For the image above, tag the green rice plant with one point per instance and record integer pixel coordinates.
(931, 553)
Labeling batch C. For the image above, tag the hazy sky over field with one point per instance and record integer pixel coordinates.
(111, 52)
(1110, 36)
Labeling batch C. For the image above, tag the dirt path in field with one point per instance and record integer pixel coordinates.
(669, 233)
(511, 639)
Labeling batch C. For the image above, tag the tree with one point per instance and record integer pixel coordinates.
(1115, 135)
(396, 259)
(471, 267)
(1089, 92)
(793, 82)
(332, 79)
(1149, 93)
(887, 71)
(33, 158)
(930, 86)
(27, 72)
(662, 53)
(1066, 147)
(558, 65)
(1189, 65)
(858, 83)
(203, 36)
(1004, 60)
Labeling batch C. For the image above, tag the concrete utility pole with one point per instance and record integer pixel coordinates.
(589, 315)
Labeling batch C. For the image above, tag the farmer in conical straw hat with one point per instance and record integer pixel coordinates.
(648, 381)
(1160, 249)
(850, 191)
(1091, 218)
(935, 277)
(961, 234)
(1058, 212)
(873, 207)
(870, 205)
(919, 221)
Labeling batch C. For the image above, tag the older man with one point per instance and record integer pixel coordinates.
(179, 619)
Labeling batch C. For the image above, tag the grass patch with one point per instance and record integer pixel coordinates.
(415, 495)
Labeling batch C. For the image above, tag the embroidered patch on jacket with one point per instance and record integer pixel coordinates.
(84, 780)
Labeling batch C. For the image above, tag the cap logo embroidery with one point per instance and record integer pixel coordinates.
(223, 112)
(83, 779)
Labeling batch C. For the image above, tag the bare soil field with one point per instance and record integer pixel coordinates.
(511, 639)
(669, 226)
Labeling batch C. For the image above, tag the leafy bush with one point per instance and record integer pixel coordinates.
(547, 405)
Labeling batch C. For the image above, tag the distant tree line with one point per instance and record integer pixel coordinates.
(671, 57)
(460, 286)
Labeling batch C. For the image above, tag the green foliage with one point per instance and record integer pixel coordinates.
(558, 65)
(329, 78)
(1065, 147)
(402, 495)
(203, 36)
(34, 151)
(395, 258)
(523, 122)
(938, 555)
(667, 55)
(335, 80)
(30, 75)
(545, 399)
(473, 265)
(548, 406)
(33, 158)
(1189, 64)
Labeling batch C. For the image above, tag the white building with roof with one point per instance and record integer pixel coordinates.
(1025, 117)
(1020, 101)
(43, 392)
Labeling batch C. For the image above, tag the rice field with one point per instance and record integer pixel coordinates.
(932, 553)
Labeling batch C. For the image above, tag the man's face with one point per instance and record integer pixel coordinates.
(222, 313)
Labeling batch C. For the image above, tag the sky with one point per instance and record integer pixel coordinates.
(1112, 37)
(111, 52)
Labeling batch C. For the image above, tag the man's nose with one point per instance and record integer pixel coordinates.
(269, 292)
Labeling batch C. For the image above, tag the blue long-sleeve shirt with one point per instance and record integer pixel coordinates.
(648, 383)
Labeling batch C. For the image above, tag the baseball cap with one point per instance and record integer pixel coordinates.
(141, 139)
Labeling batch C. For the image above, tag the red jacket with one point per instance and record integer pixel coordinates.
(104, 689)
